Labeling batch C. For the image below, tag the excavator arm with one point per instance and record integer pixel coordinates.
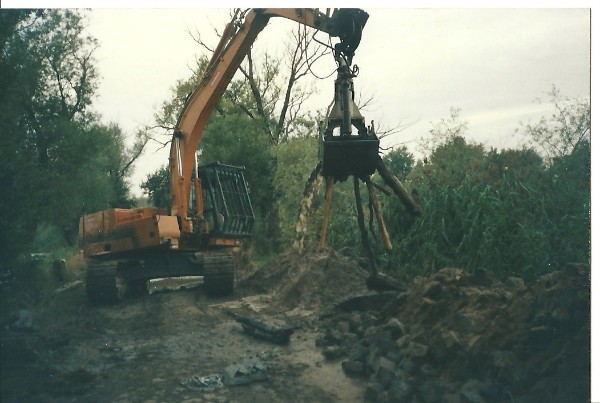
(236, 41)
(127, 247)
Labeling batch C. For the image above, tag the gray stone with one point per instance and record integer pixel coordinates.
(451, 339)
(343, 326)
(353, 368)
(430, 391)
(384, 397)
(471, 391)
(428, 370)
(396, 328)
(385, 371)
(394, 356)
(407, 365)
(515, 283)
(402, 341)
(417, 350)
(333, 352)
(432, 289)
(400, 390)
(358, 352)
(373, 390)
(355, 323)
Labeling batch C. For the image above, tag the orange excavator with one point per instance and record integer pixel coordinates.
(210, 214)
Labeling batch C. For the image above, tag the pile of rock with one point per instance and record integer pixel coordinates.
(457, 337)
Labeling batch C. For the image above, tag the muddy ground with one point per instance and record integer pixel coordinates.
(451, 337)
(142, 349)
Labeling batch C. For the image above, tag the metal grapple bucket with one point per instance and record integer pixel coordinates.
(343, 156)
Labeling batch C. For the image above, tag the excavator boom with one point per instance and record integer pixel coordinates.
(235, 44)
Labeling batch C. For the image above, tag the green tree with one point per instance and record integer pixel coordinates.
(400, 161)
(235, 139)
(58, 160)
(443, 132)
(275, 88)
(481, 209)
(564, 141)
(513, 212)
(231, 136)
(156, 188)
(570, 206)
(567, 128)
(18, 178)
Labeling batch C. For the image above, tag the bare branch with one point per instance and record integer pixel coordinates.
(256, 93)
(136, 151)
(196, 37)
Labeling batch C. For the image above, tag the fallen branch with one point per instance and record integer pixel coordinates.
(363, 229)
(262, 330)
(385, 236)
(399, 189)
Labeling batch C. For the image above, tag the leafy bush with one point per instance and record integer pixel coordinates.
(506, 212)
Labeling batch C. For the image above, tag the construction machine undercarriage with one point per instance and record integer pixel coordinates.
(111, 280)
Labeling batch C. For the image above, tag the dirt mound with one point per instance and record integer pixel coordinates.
(455, 337)
(310, 279)
(450, 337)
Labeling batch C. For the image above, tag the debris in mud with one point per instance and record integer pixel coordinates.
(206, 383)
(173, 283)
(457, 337)
(383, 282)
(249, 370)
(69, 286)
(263, 330)
(450, 337)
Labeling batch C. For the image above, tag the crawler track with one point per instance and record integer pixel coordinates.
(102, 284)
(219, 273)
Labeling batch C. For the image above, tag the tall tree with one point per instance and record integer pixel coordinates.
(19, 82)
(567, 128)
(443, 131)
(57, 159)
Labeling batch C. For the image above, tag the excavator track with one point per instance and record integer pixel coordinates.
(219, 273)
(102, 284)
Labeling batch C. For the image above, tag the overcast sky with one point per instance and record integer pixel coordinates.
(496, 65)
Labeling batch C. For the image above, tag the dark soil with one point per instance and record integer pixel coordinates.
(450, 337)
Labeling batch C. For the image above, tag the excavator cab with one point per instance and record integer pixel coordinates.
(227, 206)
